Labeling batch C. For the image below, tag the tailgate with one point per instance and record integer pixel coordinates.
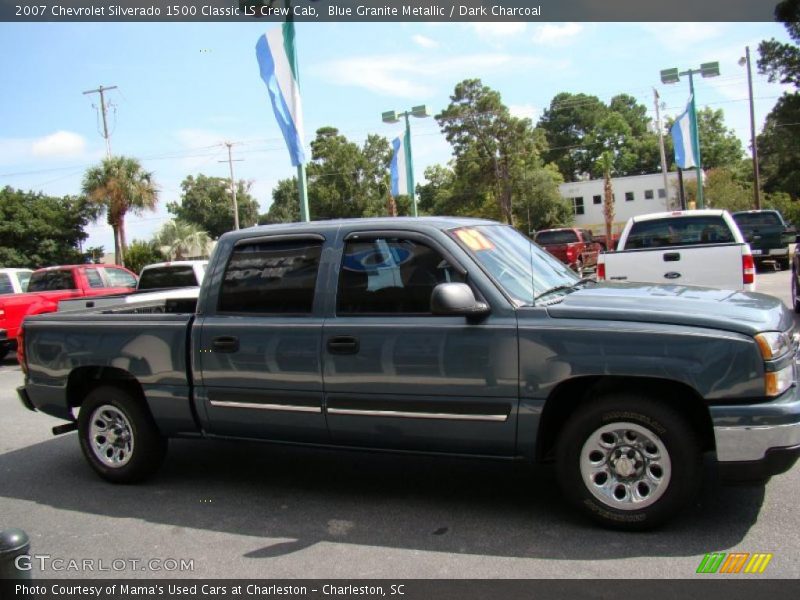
(717, 266)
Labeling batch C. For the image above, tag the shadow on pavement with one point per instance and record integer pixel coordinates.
(307, 496)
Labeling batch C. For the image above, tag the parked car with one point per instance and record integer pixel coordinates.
(14, 281)
(573, 247)
(693, 247)
(159, 281)
(768, 234)
(442, 335)
(47, 286)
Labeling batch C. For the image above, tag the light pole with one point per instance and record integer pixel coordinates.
(393, 116)
(668, 76)
(745, 60)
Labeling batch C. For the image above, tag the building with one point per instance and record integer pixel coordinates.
(633, 196)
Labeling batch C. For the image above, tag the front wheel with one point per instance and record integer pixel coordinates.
(119, 437)
(628, 462)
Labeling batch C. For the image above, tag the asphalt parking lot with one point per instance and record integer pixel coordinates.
(255, 510)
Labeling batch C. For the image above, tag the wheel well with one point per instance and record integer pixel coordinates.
(569, 395)
(83, 380)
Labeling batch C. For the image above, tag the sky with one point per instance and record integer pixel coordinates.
(184, 89)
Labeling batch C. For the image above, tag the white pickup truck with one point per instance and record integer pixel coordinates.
(693, 247)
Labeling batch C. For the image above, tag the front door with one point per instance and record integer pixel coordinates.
(396, 376)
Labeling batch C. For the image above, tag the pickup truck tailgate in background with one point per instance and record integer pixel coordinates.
(717, 266)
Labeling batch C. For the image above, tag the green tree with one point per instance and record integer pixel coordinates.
(722, 189)
(285, 207)
(39, 231)
(493, 150)
(538, 203)
(140, 254)
(778, 60)
(178, 240)
(206, 202)
(119, 185)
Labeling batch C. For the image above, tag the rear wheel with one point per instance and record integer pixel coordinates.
(783, 263)
(628, 462)
(795, 292)
(119, 437)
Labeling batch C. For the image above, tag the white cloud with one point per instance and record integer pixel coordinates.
(525, 111)
(500, 30)
(61, 144)
(424, 41)
(684, 36)
(556, 35)
(410, 75)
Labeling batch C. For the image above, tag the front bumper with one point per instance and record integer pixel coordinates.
(756, 441)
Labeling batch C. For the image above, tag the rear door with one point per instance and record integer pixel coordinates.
(693, 250)
(259, 345)
(397, 376)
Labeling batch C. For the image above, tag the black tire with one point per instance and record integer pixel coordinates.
(681, 475)
(795, 292)
(147, 446)
(783, 263)
(3, 354)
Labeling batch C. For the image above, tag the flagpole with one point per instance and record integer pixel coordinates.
(696, 142)
(410, 167)
(302, 182)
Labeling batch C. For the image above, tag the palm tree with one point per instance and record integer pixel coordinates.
(179, 240)
(118, 185)
(607, 161)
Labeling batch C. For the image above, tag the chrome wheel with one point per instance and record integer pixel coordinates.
(625, 466)
(111, 436)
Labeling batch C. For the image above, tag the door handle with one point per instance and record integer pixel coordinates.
(343, 344)
(225, 343)
(672, 256)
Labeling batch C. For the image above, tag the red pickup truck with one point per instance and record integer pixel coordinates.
(573, 247)
(47, 286)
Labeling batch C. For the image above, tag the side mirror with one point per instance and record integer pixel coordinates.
(456, 299)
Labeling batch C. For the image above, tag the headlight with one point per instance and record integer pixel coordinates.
(778, 382)
(773, 344)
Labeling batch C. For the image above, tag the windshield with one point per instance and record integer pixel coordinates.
(519, 266)
(167, 277)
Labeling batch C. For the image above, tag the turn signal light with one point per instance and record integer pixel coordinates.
(748, 269)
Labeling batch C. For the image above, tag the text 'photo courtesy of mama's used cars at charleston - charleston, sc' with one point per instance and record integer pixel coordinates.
(433, 334)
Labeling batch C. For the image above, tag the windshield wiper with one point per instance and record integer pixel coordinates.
(559, 288)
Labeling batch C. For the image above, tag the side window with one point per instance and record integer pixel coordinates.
(271, 278)
(46, 281)
(5, 285)
(93, 276)
(119, 278)
(390, 276)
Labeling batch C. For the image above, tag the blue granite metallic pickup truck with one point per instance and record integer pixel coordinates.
(436, 335)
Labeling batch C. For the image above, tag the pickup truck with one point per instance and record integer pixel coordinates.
(693, 247)
(573, 247)
(768, 235)
(46, 287)
(159, 281)
(436, 335)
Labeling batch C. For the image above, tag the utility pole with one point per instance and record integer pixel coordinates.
(661, 148)
(753, 141)
(101, 90)
(230, 162)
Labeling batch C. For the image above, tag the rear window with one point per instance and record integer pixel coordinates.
(756, 219)
(679, 231)
(562, 236)
(167, 277)
(120, 278)
(48, 281)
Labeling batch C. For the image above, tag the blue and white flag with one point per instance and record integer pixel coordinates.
(399, 166)
(277, 61)
(684, 134)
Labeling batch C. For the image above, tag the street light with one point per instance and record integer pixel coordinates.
(393, 116)
(669, 76)
(745, 60)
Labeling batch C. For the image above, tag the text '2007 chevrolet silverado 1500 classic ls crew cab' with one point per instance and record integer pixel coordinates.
(441, 335)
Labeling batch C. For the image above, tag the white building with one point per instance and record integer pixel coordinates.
(633, 196)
